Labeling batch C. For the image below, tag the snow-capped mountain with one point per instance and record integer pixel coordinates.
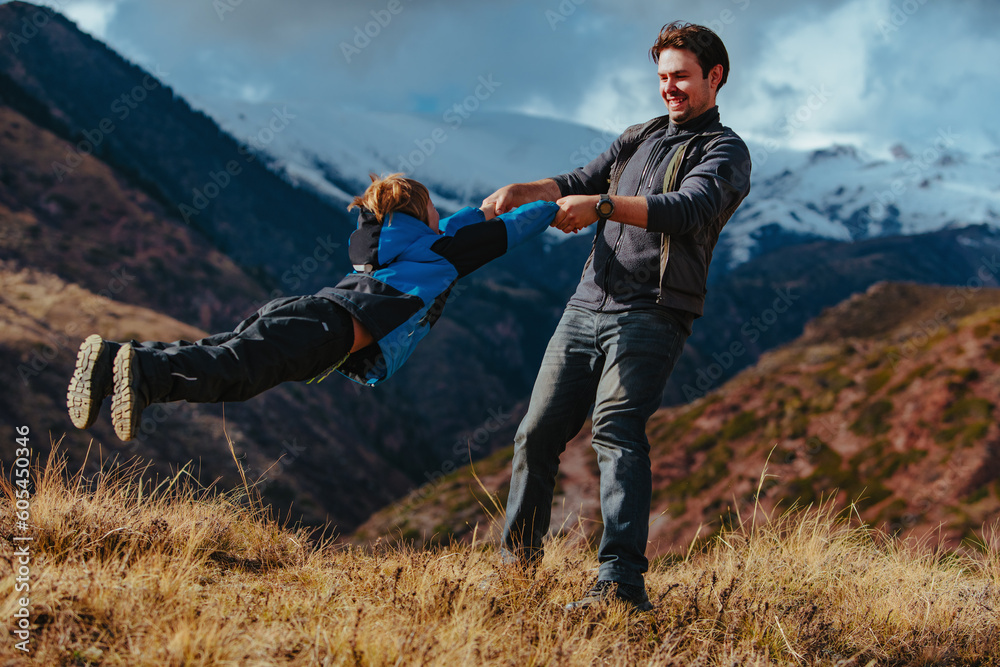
(840, 193)
(843, 194)
(462, 155)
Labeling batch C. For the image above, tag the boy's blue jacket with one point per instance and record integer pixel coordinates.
(404, 273)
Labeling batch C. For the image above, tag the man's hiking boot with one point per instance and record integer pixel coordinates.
(92, 380)
(605, 591)
(128, 400)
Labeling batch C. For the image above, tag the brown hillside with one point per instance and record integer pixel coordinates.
(97, 230)
(888, 400)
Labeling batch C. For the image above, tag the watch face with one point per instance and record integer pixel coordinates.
(605, 208)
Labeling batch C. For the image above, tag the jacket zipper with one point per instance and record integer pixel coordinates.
(621, 228)
(649, 162)
(658, 161)
(607, 267)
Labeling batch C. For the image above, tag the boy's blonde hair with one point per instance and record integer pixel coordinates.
(394, 193)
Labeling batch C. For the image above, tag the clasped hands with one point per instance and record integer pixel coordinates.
(575, 211)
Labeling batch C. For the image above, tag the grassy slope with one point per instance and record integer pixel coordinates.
(887, 400)
(122, 573)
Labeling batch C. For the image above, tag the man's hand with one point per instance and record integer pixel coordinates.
(576, 212)
(511, 196)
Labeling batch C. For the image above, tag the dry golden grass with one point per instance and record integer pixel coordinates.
(125, 574)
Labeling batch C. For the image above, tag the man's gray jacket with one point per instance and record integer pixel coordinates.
(665, 264)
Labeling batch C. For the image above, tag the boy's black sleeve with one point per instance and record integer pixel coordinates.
(473, 245)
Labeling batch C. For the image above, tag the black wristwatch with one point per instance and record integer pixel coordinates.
(605, 208)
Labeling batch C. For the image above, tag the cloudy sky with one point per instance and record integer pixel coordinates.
(804, 73)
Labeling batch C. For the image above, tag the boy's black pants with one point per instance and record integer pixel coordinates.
(294, 338)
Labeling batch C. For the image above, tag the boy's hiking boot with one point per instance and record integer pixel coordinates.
(128, 400)
(92, 380)
(605, 591)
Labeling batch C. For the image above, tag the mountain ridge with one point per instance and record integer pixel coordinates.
(106, 106)
(840, 193)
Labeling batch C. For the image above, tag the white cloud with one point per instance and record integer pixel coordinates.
(812, 77)
(802, 73)
(619, 97)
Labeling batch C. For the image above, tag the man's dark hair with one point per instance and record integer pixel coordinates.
(697, 39)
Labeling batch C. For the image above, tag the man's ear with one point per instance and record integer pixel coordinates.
(715, 76)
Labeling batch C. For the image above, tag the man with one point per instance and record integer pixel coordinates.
(660, 195)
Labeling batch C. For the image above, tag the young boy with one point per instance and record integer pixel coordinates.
(406, 260)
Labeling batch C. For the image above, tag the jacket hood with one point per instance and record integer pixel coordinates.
(374, 244)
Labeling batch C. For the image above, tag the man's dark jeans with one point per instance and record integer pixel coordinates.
(619, 363)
